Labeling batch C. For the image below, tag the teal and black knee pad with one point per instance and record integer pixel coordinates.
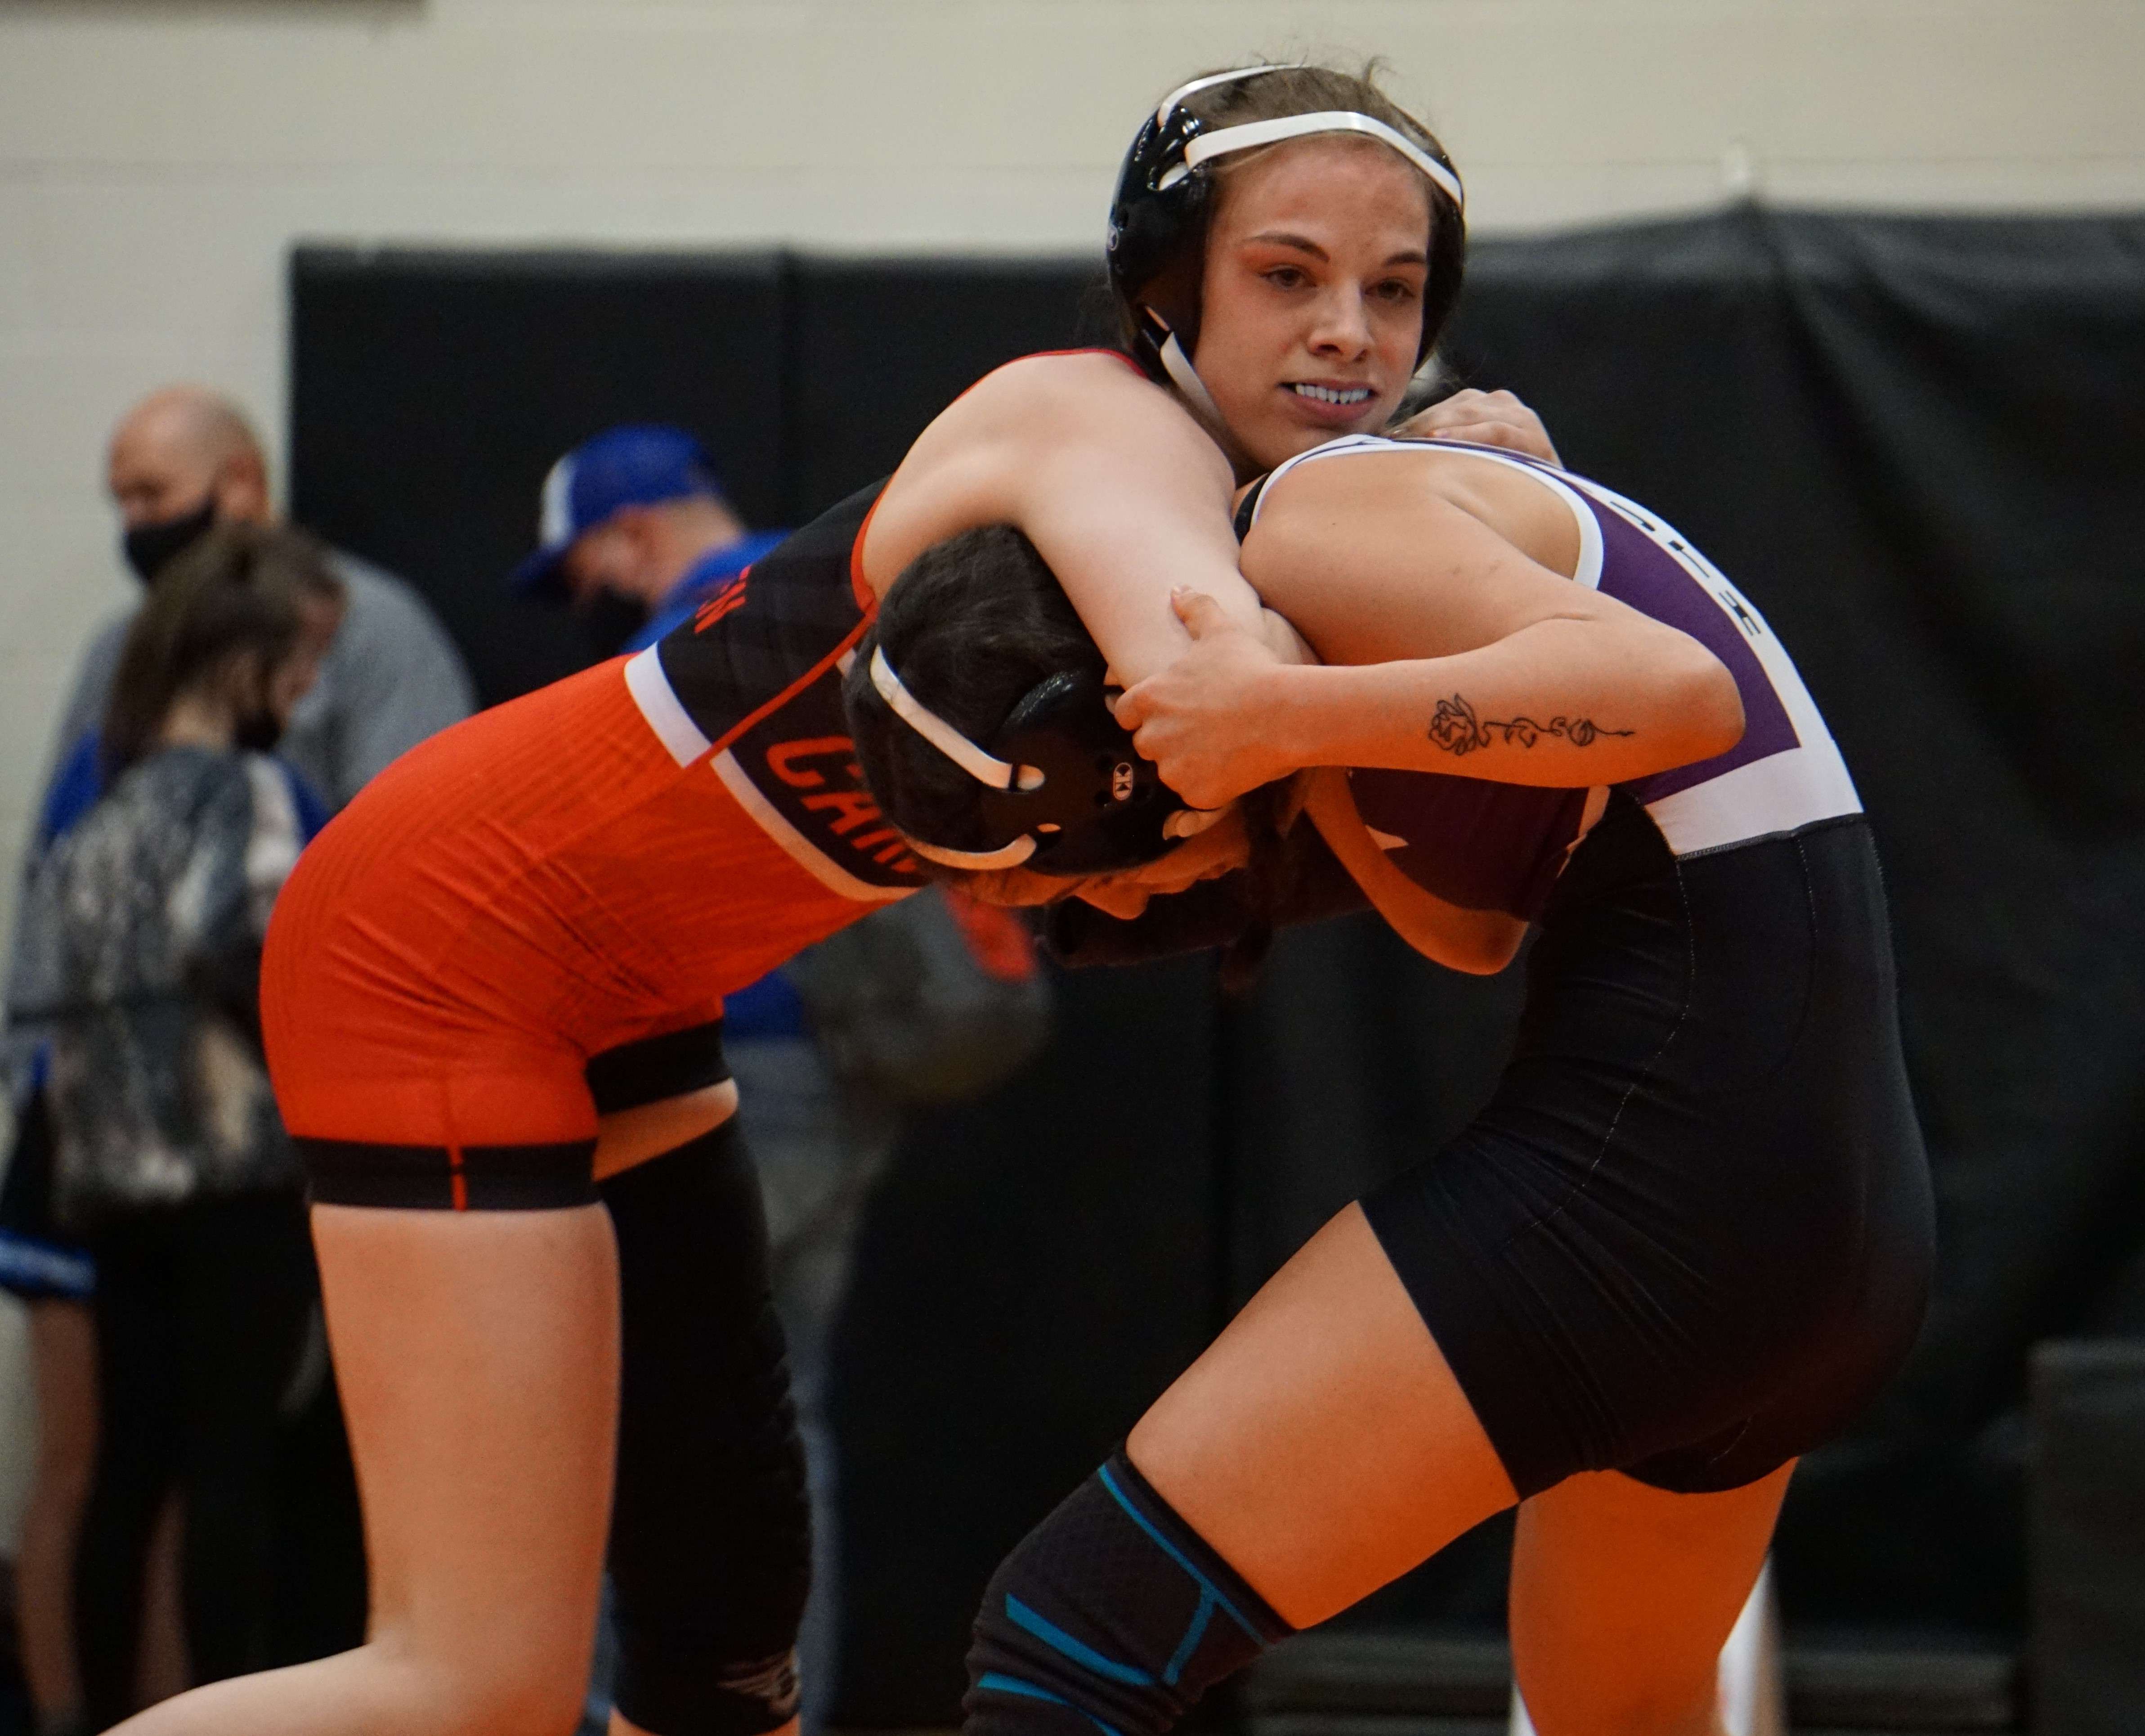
(1113, 1614)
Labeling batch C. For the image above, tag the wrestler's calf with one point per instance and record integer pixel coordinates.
(710, 1548)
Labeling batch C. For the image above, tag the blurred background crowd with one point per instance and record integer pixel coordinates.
(366, 361)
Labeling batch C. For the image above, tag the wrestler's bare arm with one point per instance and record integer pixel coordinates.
(1481, 942)
(1121, 492)
(1450, 650)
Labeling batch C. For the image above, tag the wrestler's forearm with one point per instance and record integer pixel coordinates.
(1478, 942)
(1563, 703)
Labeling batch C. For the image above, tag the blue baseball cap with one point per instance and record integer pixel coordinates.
(639, 465)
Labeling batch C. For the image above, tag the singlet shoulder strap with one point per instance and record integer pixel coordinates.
(1559, 482)
(1247, 509)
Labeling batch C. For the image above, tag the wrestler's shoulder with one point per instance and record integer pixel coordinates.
(1041, 383)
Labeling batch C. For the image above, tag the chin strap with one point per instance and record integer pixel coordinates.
(1186, 379)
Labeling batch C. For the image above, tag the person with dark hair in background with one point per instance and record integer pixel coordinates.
(181, 461)
(170, 1163)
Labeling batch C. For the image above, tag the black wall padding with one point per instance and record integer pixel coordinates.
(2087, 1530)
(430, 392)
(1036, 1268)
(878, 346)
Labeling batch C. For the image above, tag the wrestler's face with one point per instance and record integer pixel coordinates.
(1221, 848)
(1313, 309)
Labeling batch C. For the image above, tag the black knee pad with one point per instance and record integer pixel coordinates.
(710, 1547)
(1112, 1613)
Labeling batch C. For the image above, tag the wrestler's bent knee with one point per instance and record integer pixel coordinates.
(512, 1686)
(1112, 1612)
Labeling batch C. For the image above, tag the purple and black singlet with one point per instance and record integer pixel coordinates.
(1690, 1235)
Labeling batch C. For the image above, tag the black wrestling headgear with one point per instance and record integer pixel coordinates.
(1159, 218)
(1065, 791)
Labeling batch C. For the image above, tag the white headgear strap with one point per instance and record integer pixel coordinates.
(1182, 91)
(1012, 856)
(1254, 133)
(1186, 379)
(983, 768)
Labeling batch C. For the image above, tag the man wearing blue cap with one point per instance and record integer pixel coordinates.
(637, 511)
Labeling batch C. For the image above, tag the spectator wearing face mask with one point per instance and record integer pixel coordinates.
(180, 462)
(185, 458)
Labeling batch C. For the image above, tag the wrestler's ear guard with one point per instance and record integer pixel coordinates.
(1064, 790)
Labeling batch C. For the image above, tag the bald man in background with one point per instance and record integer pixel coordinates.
(186, 458)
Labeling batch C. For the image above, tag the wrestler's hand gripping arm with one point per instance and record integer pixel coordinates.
(1445, 649)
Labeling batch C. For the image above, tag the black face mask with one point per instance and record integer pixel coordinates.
(608, 620)
(258, 732)
(148, 547)
(256, 728)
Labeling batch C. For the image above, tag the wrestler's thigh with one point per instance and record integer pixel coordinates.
(1321, 1445)
(477, 1356)
(1623, 1595)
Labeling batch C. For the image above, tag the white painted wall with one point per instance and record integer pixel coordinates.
(158, 157)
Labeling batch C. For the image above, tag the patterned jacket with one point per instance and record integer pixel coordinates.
(140, 969)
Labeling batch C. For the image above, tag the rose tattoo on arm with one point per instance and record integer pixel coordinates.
(1455, 727)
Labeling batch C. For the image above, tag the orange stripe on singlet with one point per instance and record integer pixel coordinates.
(867, 598)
